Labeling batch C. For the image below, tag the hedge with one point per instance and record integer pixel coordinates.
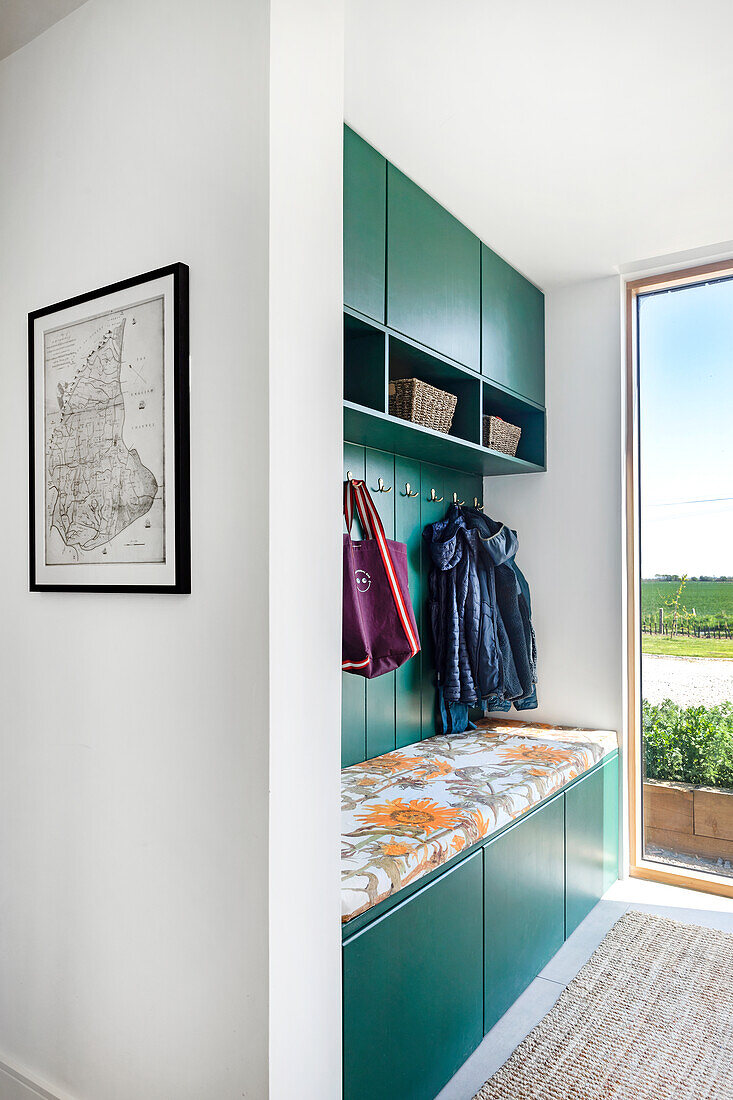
(688, 745)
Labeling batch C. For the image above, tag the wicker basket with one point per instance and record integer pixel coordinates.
(501, 436)
(415, 400)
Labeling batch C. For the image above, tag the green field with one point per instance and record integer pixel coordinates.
(707, 598)
(703, 605)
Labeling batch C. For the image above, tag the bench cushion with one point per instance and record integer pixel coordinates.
(411, 810)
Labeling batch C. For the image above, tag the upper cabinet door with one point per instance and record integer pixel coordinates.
(365, 226)
(513, 321)
(433, 273)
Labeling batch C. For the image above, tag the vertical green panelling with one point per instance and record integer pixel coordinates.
(380, 696)
(399, 708)
(408, 530)
(465, 486)
(433, 273)
(524, 898)
(413, 995)
(353, 698)
(586, 867)
(512, 328)
(610, 823)
(431, 477)
(365, 212)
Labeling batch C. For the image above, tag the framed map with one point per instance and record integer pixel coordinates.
(109, 453)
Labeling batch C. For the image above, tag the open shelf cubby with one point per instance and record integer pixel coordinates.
(373, 355)
(527, 416)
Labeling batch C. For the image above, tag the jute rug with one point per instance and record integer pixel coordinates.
(649, 1017)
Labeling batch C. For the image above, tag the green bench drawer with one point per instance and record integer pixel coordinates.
(413, 990)
(591, 841)
(524, 899)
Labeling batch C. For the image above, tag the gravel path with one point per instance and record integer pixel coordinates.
(693, 863)
(688, 681)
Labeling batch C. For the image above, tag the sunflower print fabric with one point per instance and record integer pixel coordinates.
(409, 811)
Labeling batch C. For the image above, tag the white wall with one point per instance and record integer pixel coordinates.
(134, 779)
(569, 518)
(306, 294)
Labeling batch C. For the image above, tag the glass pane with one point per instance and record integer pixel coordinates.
(686, 497)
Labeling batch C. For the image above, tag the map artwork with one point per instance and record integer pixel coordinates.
(104, 438)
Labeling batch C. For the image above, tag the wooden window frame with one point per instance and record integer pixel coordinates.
(638, 866)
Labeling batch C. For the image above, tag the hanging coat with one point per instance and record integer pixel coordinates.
(485, 646)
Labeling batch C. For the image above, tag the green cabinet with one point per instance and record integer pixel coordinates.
(513, 328)
(413, 991)
(591, 841)
(427, 978)
(365, 214)
(433, 273)
(611, 802)
(524, 900)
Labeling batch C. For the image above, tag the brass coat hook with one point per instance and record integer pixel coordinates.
(460, 503)
(407, 492)
(433, 497)
(380, 486)
(476, 504)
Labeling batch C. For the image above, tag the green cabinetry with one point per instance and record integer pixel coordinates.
(365, 213)
(433, 273)
(591, 841)
(413, 991)
(429, 975)
(611, 802)
(513, 328)
(524, 899)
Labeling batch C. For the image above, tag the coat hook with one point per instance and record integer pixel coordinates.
(407, 492)
(433, 497)
(460, 503)
(349, 475)
(476, 504)
(380, 486)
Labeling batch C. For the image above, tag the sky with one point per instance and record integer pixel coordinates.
(686, 415)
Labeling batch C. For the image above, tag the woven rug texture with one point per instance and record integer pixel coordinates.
(649, 1017)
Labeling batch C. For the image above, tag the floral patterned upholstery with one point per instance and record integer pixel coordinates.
(406, 813)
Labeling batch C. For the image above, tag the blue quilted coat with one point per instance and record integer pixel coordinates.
(485, 649)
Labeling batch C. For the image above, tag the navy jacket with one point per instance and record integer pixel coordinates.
(485, 650)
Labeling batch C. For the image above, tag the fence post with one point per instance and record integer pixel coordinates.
(661, 621)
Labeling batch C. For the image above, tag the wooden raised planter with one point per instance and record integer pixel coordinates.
(684, 818)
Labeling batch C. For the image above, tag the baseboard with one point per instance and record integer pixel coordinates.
(14, 1085)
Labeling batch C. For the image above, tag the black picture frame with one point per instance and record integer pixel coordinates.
(177, 560)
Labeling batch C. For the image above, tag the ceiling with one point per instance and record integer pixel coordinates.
(573, 137)
(23, 20)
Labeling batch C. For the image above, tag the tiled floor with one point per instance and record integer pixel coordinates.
(648, 897)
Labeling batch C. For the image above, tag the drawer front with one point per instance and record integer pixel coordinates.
(365, 226)
(413, 995)
(591, 841)
(524, 898)
(433, 273)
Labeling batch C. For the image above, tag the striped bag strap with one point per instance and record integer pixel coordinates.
(349, 497)
(369, 517)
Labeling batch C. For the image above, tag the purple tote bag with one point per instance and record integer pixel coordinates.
(379, 630)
